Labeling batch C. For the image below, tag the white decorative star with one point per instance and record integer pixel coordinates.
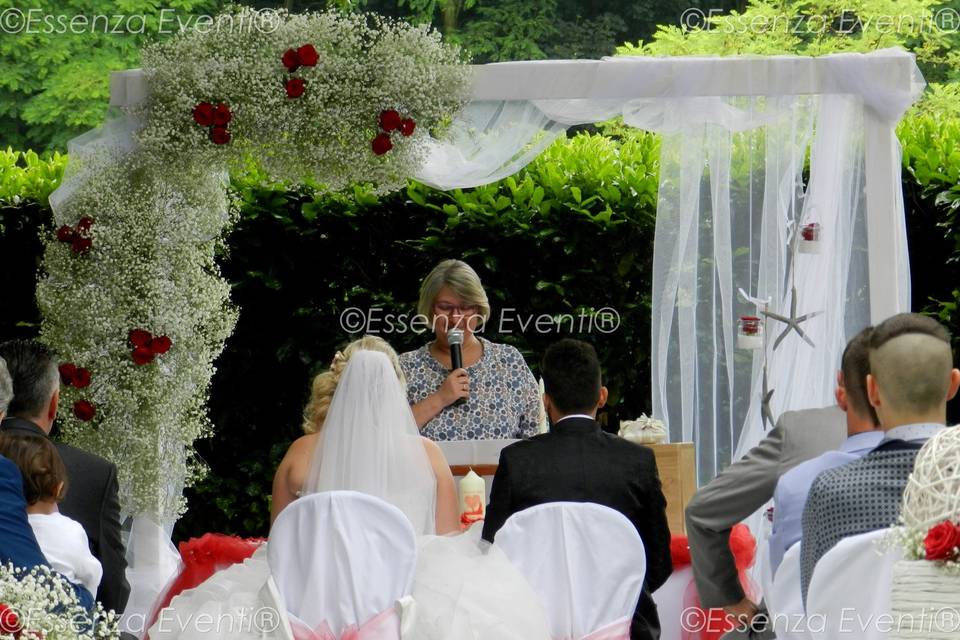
(792, 321)
(765, 413)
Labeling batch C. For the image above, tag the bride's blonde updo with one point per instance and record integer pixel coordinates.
(321, 391)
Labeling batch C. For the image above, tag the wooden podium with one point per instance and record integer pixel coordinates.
(676, 463)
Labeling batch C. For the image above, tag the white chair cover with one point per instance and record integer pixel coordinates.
(849, 595)
(785, 600)
(670, 603)
(584, 560)
(341, 558)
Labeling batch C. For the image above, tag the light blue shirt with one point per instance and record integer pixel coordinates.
(790, 496)
(920, 431)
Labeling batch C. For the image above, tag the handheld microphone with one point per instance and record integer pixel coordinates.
(455, 340)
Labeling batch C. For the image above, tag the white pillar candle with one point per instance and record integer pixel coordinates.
(472, 499)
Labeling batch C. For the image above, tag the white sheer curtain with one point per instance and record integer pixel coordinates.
(735, 184)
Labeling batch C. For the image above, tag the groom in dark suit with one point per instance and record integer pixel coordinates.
(578, 462)
(92, 498)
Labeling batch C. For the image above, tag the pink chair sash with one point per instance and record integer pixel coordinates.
(618, 630)
(383, 626)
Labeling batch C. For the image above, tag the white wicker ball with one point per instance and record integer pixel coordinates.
(933, 490)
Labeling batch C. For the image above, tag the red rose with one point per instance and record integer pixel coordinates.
(140, 337)
(143, 355)
(222, 115)
(389, 120)
(308, 55)
(203, 114)
(942, 541)
(66, 233)
(160, 344)
(81, 379)
(291, 60)
(68, 371)
(84, 225)
(407, 126)
(381, 144)
(9, 621)
(84, 410)
(81, 244)
(295, 87)
(219, 135)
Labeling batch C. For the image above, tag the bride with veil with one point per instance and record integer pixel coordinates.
(369, 442)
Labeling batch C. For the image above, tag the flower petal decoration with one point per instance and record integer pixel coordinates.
(9, 621)
(143, 355)
(222, 115)
(291, 60)
(942, 541)
(219, 135)
(83, 226)
(140, 337)
(66, 233)
(295, 87)
(308, 55)
(389, 120)
(160, 344)
(84, 410)
(381, 144)
(407, 126)
(81, 245)
(203, 114)
(68, 372)
(81, 379)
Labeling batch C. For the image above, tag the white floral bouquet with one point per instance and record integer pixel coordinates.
(643, 430)
(331, 98)
(40, 605)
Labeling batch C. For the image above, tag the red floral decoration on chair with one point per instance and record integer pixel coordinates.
(215, 118)
(146, 347)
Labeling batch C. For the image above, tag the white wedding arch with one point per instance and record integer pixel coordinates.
(738, 134)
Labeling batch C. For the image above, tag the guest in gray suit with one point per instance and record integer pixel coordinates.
(912, 377)
(92, 499)
(742, 488)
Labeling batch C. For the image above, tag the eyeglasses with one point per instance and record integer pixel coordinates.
(447, 309)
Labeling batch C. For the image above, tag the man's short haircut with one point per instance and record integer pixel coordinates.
(855, 365)
(911, 359)
(33, 370)
(39, 463)
(6, 386)
(571, 376)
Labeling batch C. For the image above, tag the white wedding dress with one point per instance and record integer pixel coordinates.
(464, 589)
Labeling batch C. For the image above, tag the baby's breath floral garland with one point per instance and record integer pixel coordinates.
(132, 300)
(39, 605)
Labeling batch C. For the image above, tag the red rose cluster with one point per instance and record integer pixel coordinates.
(216, 118)
(146, 347)
(79, 377)
(390, 120)
(78, 237)
(293, 59)
(943, 541)
(10, 622)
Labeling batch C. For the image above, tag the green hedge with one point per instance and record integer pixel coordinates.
(570, 233)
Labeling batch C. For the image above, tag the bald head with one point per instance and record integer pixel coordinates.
(911, 365)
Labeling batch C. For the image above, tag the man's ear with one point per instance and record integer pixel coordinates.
(954, 383)
(873, 391)
(547, 404)
(840, 394)
(52, 407)
(602, 400)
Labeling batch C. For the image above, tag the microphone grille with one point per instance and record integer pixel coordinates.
(455, 336)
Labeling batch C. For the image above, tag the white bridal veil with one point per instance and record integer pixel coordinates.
(370, 443)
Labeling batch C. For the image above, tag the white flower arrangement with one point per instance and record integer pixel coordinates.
(643, 430)
(39, 604)
(132, 299)
(323, 128)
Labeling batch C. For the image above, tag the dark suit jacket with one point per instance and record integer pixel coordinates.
(18, 545)
(92, 501)
(577, 462)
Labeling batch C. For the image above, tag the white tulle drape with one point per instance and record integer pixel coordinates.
(752, 149)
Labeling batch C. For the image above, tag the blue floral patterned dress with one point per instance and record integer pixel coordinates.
(504, 399)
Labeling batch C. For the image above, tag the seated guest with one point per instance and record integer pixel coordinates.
(92, 500)
(863, 434)
(493, 394)
(62, 540)
(911, 378)
(578, 462)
